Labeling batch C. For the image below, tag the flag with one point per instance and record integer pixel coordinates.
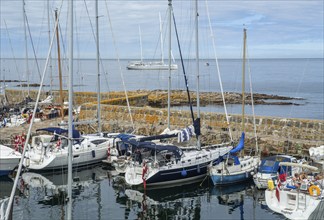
(186, 133)
(282, 174)
(278, 190)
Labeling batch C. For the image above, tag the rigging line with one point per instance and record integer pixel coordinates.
(31, 40)
(218, 71)
(63, 45)
(252, 103)
(14, 187)
(120, 68)
(13, 54)
(80, 75)
(183, 69)
(95, 40)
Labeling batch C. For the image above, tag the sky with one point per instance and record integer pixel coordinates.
(275, 28)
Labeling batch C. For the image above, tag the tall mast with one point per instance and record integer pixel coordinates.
(70, 121)
(161, 38)
(49, 42)
(26, 48)
(59, 66)
(169, 81)
(98, 70)
(243, 79)
(197, 69)
(140, 35)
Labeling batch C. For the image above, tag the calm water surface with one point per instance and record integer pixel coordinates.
(100, 194)
(288, 77)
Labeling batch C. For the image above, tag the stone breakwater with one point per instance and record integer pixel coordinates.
(274, 135)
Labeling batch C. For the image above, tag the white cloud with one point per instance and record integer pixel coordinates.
(293, 26)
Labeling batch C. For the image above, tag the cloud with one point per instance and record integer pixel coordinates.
(294, 25)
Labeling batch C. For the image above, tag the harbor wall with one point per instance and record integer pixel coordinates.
(275, 135)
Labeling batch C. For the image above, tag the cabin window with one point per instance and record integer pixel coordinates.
(97, 142)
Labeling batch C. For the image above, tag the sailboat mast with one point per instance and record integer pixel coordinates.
(169, 81)
(140, 35)
(26, 48)
(197, 69)
(59, 66)
(49, 42)
(70, 121)
(161, 38)
(98, 70)
(243, 79)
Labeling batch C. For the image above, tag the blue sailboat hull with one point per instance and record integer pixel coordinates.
(180, 175)
(5, 172)
(230, 179)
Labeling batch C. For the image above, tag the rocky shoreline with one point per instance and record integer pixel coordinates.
(159, 98)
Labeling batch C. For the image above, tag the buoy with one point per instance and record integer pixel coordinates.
(93, 153)
(314, 190)
(183, 173)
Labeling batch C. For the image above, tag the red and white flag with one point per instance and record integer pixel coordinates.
(278, 190)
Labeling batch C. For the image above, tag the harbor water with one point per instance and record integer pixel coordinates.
(101, 194)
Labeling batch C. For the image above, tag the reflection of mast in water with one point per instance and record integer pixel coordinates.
(233, 196)
(52, 188)
(176, 201)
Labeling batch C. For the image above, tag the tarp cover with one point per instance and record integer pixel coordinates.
(57, 130)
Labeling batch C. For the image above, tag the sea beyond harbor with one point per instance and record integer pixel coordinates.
(298, 78)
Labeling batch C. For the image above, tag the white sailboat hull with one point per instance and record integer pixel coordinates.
(84, 153)
(9, 160)
(292, 204)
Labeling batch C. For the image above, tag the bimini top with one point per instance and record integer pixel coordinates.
(57, 130)
(156, 147)
(271, 164)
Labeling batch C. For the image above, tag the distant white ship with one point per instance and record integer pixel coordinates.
(151, 65)
(158, 65)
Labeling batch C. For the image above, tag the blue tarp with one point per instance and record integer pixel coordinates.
(240, 146)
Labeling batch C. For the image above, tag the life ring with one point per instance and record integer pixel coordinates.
(312, 189)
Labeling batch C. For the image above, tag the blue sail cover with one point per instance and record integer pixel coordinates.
(156, 147)
(56, 130)
(125, 137)
(240, 146)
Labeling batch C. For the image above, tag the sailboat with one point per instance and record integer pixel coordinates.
(235, 169)
(167, 164)
(302, 202)
(152, 65)
(50, 151)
